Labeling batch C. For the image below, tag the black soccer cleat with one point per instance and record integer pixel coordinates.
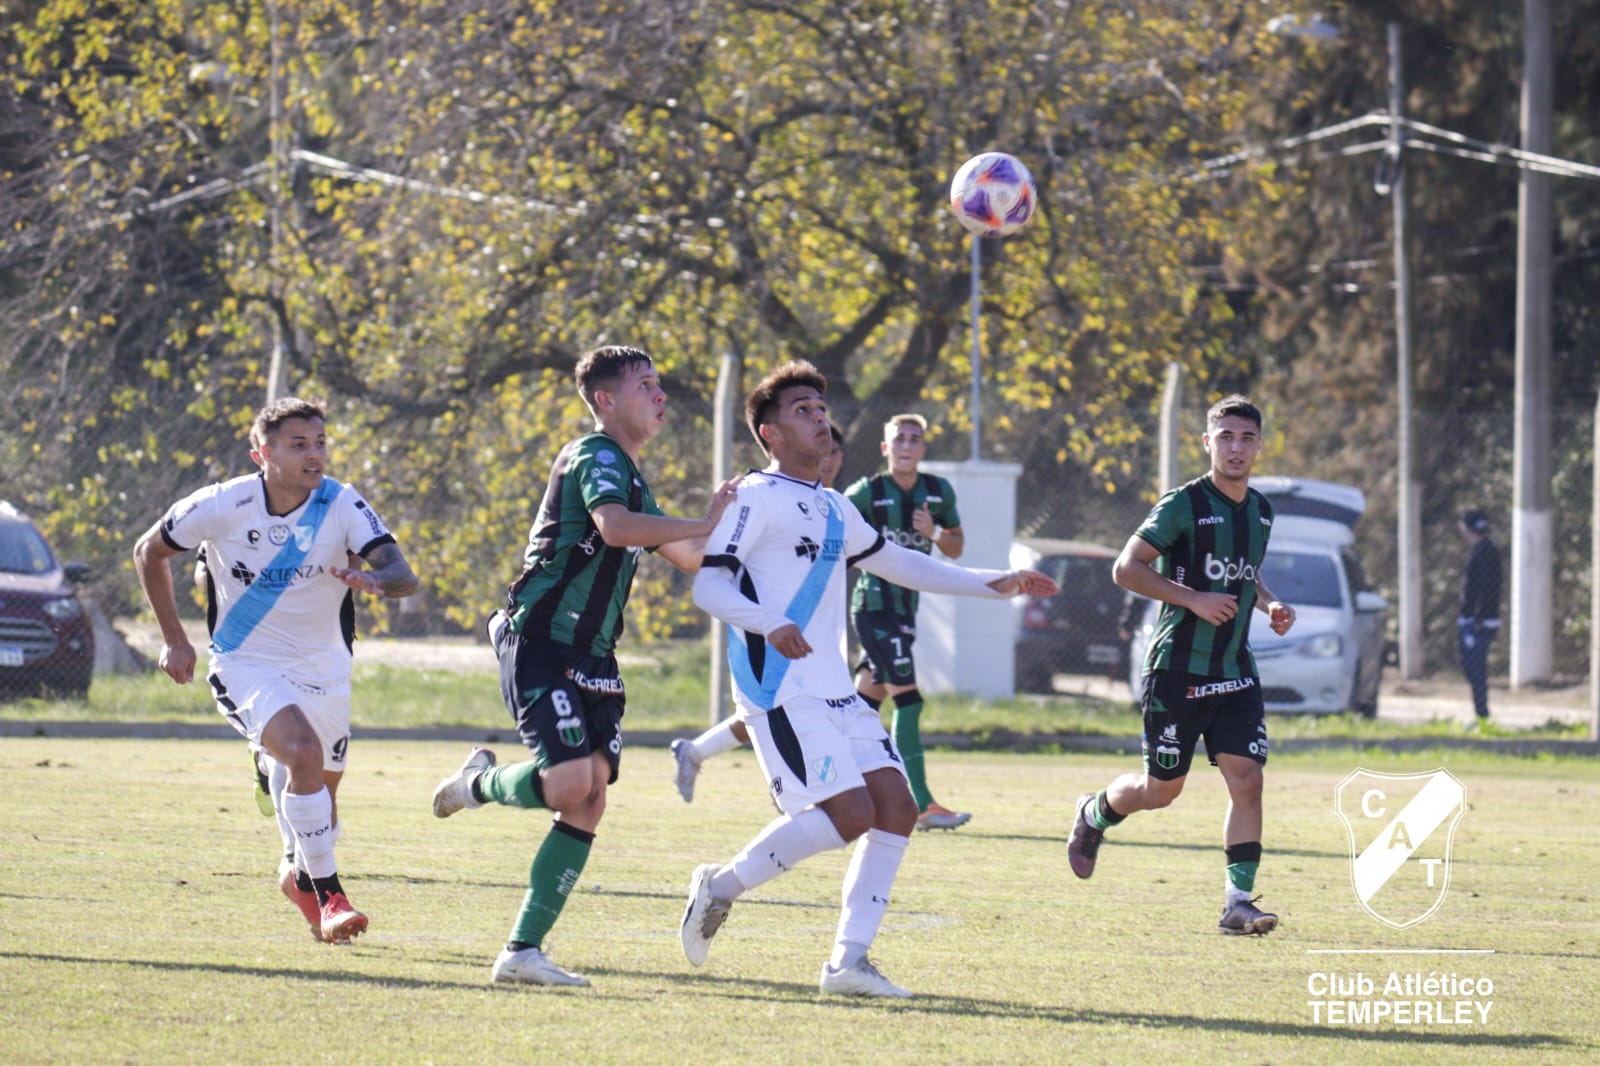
(1083, 846)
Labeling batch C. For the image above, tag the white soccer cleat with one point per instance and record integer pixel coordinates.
(862, 979)
(688, 768)
(455, 792)
(703, 916)
(530, 966)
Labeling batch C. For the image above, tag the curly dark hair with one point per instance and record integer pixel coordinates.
(763, 399)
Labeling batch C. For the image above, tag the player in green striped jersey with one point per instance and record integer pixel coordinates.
(1199, 552)
(916, 511)
(556, 641)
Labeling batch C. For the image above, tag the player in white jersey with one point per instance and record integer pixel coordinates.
(774, 571)
(278, 550)
(690, 753)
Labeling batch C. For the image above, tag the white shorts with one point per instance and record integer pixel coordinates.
(812, 749)
(249, 693)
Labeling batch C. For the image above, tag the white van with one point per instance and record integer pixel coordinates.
(1332, 660)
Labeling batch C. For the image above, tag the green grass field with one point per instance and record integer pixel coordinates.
(142, 923)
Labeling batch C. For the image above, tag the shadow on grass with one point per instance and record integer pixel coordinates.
(1113, 844)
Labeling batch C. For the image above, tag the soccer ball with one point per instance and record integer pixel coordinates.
(993, 194)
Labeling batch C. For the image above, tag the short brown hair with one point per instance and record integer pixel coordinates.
(1235, 406)
(276, 413)
(601, 368)
(763, 399)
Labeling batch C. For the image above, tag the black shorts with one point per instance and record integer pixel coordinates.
(886, 639)
(1180, 709)
(566, 705)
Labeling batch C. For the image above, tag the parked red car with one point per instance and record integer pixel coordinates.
(46, 639)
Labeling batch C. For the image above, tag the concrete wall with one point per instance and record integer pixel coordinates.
(965, 644)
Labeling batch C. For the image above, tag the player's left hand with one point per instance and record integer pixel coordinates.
(1025, 582)
(922, 522)
(788, 641)
(360, 580)
(1282, 616)
(720, 499)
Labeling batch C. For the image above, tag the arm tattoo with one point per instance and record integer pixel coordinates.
(391, 571)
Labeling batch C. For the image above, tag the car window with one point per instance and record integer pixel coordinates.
(23, 550)
(1302, 579)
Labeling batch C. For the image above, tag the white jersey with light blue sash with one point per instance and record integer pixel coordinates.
(786, 545)
(275, 602)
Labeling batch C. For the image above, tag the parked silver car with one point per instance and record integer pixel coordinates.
(1332, 660)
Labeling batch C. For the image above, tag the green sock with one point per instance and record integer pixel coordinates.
(554, 872)
(1099, 813)
(512, 785)
(1242, 862)
(908, 738)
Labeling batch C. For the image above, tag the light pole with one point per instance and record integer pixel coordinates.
(977, 351)
(274, 199)
(1408, 505)
(1390, 181)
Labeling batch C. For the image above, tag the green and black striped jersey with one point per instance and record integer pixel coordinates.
(889, 508)
(573, 585)
(1207, 542)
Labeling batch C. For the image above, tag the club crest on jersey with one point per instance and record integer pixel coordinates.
(571, 731)
(825, 770)
(1400, 827)
(821, 504)
(302, 537)
(278, 535)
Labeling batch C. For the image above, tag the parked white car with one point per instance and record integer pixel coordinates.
(1332, 660)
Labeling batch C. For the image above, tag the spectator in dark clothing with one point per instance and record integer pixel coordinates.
(1479, 618)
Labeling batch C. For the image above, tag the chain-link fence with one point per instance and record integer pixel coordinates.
(67, 583)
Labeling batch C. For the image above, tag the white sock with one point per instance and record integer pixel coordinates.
(277, 781)
(778, 848)
(872, 871)
(311, 816)
(1235, 895)
(714, 741)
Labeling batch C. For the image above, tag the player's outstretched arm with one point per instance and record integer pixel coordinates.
(622, 528)
(914, 570)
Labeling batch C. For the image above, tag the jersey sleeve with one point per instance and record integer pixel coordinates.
(721, 587)
(860, 495)
(191, 520)
(603, 473)
(949, 518)
(1166, 521)
(363, 528)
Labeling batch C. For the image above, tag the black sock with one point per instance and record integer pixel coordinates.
(327, 886)
(515, 946)
(1110, 816)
